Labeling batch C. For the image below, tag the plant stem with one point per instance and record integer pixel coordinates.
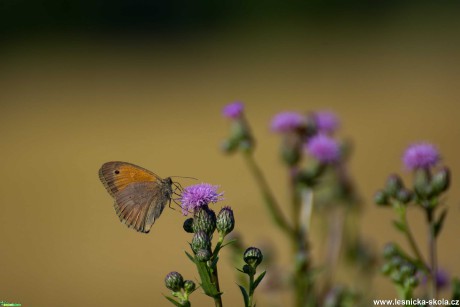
(251, 289)
(410, 236)
(215, 280)
(268, 197)
(432, 252)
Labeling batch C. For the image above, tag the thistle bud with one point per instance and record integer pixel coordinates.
(248, 269)
(229, 145)
(393, 185)
(387, 268)
(201, 241)
(203, 255)
(204, 220)
(189, 286)
(225, 221)
(188, 225)
(422, 183)
(390, 250)
(381, 198)
(404, 195)
(174, 281)
(253, 256)
(441, 180)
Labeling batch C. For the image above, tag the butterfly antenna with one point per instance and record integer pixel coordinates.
(184, 177)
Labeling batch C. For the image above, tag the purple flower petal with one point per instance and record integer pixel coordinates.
(421, 155)
(199, 195)
(323, 148)
(326, 121)
(233, 110)
(287, 121)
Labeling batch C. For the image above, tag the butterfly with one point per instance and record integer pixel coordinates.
(140, 195)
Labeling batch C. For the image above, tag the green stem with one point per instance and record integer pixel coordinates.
(433, 255)
(214, 273)
(410, 236)
(251, 289)
(268, 197)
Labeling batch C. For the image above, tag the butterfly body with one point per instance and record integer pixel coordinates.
(140, 195)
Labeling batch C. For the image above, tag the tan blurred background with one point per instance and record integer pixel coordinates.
(72, 100)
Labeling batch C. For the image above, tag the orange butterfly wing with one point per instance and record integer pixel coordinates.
(140, 195)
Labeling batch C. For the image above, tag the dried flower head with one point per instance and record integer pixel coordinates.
(233, 110)
(287, 121)
(323, 148)
(421, 155)
(199, 195)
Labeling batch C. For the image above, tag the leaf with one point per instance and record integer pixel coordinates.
(173, 301)
(259, 279)
(228, 243)
(400, 226)
(245, 296)
(438, 225)
(213, 264)
(208, 286)
(190, 257)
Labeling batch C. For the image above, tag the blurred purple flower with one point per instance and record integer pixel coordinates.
(199, 195)
(442, 279)
(420, 155)
(287, 121)
(323, 148)
(326, 121)
(233, 110)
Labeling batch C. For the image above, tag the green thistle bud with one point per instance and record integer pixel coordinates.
(253, 256)
(203, 255)
(381, 198)
(411, 282)
(441, 180)
(249, 269)
(404, 195)
(390, 250)
(225, 221)
(422, 182)
(387, 268)
(189, 286)
(174, 281)
(397, 277)
(393, 185)
(229, 145)
(204, 220)
(188, 225)
(201, 241)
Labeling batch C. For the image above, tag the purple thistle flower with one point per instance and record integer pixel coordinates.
(233, 110)
(326, 121)
(323, 148)
(199, 195)
(420, 155)
(287, 121)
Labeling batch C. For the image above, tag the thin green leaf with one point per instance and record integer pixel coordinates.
(213, 264)
(259, 279)
(438, 225)
(190, 257)
(209, 288)
(245, 296)
(399, 226)
(228, 243)
(173, 301)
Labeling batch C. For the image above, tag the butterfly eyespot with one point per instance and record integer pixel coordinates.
(117, 172)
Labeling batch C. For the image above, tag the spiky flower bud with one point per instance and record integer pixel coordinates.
(188, 225)
(203, 255)
(404, 195)
(174, 281)
(441, 180)
(225, 221)
(393, 185)
(422, 182)
(390, 250)
(189, 286)
(201, 241)
(381, 198)
(204, 220)
(253, 256)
